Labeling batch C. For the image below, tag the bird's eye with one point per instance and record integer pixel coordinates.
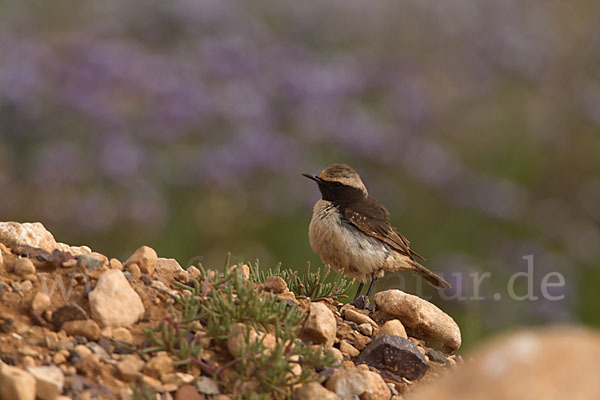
(337, 184)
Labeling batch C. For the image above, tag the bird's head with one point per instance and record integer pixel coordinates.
(339, 183)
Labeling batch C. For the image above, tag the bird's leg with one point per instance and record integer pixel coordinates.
(360, 286)
(371, 286)
(362, 302)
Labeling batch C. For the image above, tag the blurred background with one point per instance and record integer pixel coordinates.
(186, 124)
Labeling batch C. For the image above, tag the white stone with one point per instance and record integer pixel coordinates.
(34, 234)
(422, 319)
(114, 302)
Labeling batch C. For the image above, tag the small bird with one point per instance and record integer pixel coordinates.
(350, 230)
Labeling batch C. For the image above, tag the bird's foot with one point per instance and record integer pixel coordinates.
(362, 303)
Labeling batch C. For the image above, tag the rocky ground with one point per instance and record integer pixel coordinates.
(75, 324)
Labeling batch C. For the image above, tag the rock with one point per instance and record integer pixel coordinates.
(68, 312)
(313, 390)
(242, 334)
(275, 284)
(355, 316)
(168, 265)
(88, 366)
(336, 353)
(395, 354)
(1, 259)
(60, 357)
(40, 303)
(320, 325)
(366, 329)
(135, 271)
(422, 319)
(153, 383)
(24, 266)
(177, 378)
(75, 250)
(206, 385)
(392, 327)
(122, 334)
(347, 348)
(188, 392)
(14, 234)
(145, 257)
(130, 367)
(91, 261)
(115, 264)
(114, 302)
(49, 381)
(83, 350)
(367, 385)
(159, 365)
(16, 384)
(87, 328)
(551, 363)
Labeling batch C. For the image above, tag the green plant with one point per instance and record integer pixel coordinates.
(311, 285)
(215, 301)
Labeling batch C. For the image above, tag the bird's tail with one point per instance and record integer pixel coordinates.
(429, 276)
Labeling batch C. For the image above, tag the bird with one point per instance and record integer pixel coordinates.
(350, 230)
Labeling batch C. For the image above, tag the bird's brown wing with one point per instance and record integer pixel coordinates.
(373, 219)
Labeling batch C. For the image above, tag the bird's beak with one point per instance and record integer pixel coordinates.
(313, 177)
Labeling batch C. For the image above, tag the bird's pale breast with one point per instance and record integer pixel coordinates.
(343, 246)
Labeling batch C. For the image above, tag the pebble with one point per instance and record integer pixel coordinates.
(177, 378)
(130, 367)
(83, 350)
(188, 392)
(24, 266)
(111, 296)
(135, 271)
(122, 334)
(88, 366)
(159, 365)
(40, 303)
(68, 312)
(49, 381)
(275, 284)
(392, 327)
(115, 264)
(91, 261)
(428, 322)
(336, 353)
(60, 357)
(145, 257)
(348, 383)
(169, 265)
(88, 328)
(347, 348)
(16, 384)
(366, 329)
(208, 386)
(320, 325)
(355, 316)
(312, 391)
(395, 354)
